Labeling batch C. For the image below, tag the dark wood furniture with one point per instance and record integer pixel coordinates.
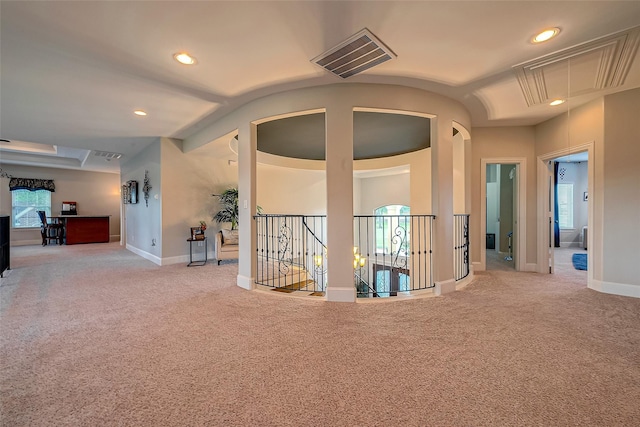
(198, 262)
(5, 253)
(50, 231)
(85, 228)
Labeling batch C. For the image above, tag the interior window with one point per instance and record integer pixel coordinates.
(392, 230)
(25, 205)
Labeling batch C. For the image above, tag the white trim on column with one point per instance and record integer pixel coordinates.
(521, 162)
(248, 283)
(445, 287)
(341, 294)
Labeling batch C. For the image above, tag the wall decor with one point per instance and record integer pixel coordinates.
(130, 192)
(133, 190)
(125, 194)
(146, 188)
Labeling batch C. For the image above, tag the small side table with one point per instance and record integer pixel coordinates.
(197, 262)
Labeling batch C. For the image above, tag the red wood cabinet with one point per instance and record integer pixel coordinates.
(85, 229)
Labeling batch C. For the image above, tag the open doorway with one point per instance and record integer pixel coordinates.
(510, 219)
(568, 210)
(501, 191)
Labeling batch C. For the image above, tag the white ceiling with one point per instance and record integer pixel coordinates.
(73, 72)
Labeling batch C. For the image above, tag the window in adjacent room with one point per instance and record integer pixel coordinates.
(25, 206)
(392, 229)
(565, 205)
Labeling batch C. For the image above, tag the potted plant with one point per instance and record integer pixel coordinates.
(229, 207)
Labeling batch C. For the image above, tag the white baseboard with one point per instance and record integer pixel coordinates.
(25, 242)
(184, 259)
(445, 287)
(144, 254)
(622, 289)
(461, 284)
(477, 266)
(341, 294)
(248, 283)
(180, 259)
(530, 266)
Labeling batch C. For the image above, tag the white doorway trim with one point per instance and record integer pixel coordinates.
(521, 215)
(543, 205)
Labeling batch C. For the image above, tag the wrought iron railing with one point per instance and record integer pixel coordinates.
(290, 252)
(392, 254)
(460, 246)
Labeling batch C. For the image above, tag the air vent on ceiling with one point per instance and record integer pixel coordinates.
(355, 55)
(107, 155)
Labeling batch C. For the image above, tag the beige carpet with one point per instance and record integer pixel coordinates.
(93, 335)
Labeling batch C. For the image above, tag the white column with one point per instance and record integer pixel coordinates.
(442, 200)
(247, 147)
(339, 170)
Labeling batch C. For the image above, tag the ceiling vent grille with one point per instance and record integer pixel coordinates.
(107, 155)
(358, 53)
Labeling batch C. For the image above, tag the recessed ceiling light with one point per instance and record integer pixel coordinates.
(545, 35)
(140, 113)
(184, 58)
(557, 102)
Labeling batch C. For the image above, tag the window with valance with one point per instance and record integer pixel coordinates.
(28, 196)
(31, 184)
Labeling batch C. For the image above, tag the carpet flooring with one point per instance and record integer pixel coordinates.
(93, 335)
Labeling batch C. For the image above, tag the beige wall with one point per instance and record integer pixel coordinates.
(459, 176)
(495, 143)
(97, 193)
(188, 182)
(291, 191)
(418, 164)
(384, 190)
(621, 234)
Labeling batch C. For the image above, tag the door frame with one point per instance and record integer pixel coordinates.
(520, 215)
(543, 206)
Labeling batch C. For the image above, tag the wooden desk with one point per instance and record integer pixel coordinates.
(85, 229)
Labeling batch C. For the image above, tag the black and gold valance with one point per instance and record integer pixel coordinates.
(31, 184)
